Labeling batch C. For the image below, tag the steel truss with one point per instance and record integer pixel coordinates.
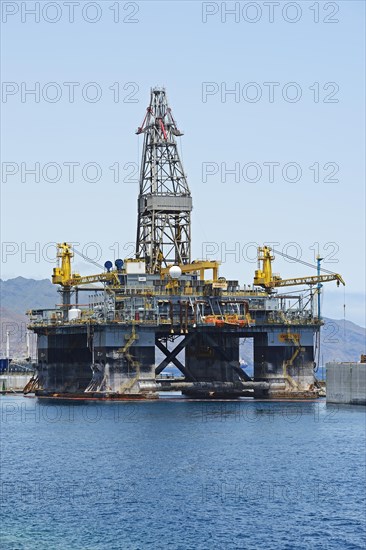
(165, 202)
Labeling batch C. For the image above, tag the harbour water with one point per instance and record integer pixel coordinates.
(181, 474)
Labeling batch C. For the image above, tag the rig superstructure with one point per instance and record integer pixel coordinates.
(162, 299)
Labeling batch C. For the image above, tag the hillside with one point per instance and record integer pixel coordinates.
(341, 341)
(16, 297)
(20, 294)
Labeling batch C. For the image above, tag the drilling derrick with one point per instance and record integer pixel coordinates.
(164, 202)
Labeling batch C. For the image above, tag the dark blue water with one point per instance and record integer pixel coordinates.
(182, 475)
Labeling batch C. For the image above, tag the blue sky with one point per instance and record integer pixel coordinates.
(170, 45)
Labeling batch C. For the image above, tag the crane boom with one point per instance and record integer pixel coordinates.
(311, 280)
(200, 265)
(77, 280)
(63, 276)
(266, 279)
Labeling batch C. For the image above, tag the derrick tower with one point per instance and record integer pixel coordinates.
(164, 202)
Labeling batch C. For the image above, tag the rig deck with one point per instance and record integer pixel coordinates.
(108, 348)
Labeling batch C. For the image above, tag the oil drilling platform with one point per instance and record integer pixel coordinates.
(161, 299)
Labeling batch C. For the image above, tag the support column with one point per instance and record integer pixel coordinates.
(285, 360)
(124, 361)
(214, 358)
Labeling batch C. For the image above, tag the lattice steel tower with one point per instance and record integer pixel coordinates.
(165, 202)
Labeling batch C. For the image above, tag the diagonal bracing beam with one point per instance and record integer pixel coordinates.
(243, 375)
(171, 356)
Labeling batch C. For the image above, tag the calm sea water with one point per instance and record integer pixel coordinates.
(182, 475)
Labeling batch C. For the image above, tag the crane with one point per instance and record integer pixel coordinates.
(63, 276)
(265, 278)
(195, 266)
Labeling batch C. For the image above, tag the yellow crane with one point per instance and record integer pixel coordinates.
(265, 278)
(63, 276)
(197, 266)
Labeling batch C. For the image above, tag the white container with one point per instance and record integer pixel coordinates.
(135, 267)
(74, 313)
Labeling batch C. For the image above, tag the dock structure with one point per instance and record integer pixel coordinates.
(346, 382)
(163, 299)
